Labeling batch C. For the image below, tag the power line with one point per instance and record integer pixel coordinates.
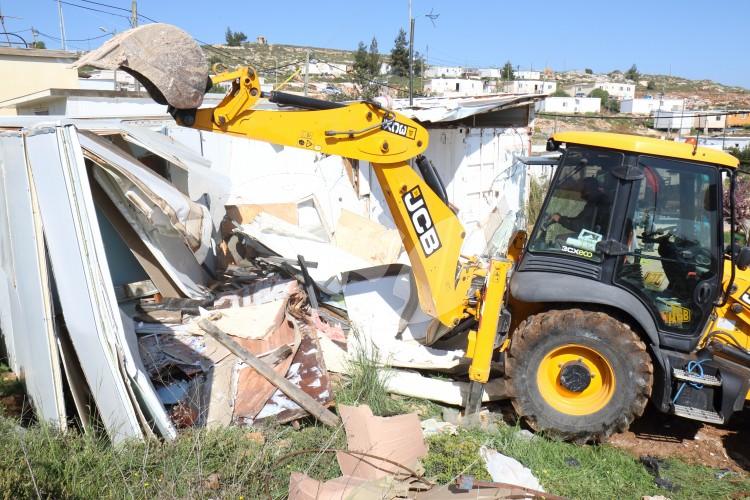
(92, 9)
(73, 39)
(105, 5)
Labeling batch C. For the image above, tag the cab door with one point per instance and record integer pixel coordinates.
(672, 233)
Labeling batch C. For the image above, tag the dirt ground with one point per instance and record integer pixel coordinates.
(724, 447)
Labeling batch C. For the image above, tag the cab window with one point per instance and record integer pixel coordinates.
(672, 236)
(579, 206)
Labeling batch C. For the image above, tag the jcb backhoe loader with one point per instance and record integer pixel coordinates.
(625, 291)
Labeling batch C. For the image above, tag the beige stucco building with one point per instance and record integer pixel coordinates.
(26, 71)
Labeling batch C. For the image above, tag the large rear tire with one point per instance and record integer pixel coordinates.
(578, 375)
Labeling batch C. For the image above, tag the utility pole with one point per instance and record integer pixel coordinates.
(133, 14)
(411, 60)
(133, 24)
(62, 24)
(307, 67)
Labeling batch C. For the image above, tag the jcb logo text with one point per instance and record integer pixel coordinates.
(422, 221)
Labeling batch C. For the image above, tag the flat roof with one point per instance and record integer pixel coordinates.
(648, 145)
(55, 92)
(46, 53)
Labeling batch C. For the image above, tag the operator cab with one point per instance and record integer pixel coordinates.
(647, 224)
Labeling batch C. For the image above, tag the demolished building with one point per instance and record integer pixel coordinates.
(119, 235)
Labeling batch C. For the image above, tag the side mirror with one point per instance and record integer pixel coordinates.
(743, 258)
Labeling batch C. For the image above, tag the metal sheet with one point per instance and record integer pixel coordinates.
(81, 274)
(26, 309)
(175, 230)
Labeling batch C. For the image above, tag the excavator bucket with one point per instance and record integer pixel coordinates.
(163, 58)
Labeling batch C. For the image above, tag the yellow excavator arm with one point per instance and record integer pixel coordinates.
(430, 230)
(451, 288)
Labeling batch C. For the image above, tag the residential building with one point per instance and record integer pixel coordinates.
(325, 69)
(26, 71)
(618, 90)
(570, 105)
(738, 120)
(91, 103)
(454, 87)
(711, 120)
(490, 73)
(530, 87)
(646, 106)
(580, 90)
(444, 72)
(107, 79)
(678, 121)
(527, 75)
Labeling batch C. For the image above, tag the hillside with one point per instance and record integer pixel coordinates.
(266, 57)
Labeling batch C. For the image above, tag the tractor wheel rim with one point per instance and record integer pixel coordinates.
(596, 393)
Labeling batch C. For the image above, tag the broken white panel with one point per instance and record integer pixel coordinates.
(196, 177)
(263, 173)
(81, 273)
(414, 385)
(26, 315)
(503, 468)
(176, 230)
(479, 171)
(385, 313)
(289, 241)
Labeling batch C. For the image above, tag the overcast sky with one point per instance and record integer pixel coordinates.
(690, 38)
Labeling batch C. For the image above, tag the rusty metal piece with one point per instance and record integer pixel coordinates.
(165, 59)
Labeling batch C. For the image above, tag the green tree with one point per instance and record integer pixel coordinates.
(419, 63)
(234, 38)
(507, 72)
(607, 102)
(38, 45)
(651, 85)
(588, 71)
(366, 69)
(400, 55)
(373, 58)
(632, 73)
(559, 93)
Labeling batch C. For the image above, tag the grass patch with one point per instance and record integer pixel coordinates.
(576, 471)
(199, 464)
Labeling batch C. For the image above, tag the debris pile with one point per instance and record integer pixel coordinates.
(139, 261)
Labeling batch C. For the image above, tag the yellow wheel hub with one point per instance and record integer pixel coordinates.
(575, 380)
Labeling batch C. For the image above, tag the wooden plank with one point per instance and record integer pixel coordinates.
(295, 393)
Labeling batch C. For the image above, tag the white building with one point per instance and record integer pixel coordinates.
(618, 90)
(570, 105)
(325, 69)
(646, 106)
(444, 72)
(678, 121)
(711, 120)
(89, 103)
(454, 87)
(527, 75)
(530, 87)
(489, 72)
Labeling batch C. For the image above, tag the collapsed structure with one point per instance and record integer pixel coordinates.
(121, 235)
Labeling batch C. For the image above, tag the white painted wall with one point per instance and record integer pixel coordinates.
(644, 106)
(531, 87)
(570, 105)
(618, 90)
(444, 71)
(527, 75)
(479, 172)
(454, 87)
